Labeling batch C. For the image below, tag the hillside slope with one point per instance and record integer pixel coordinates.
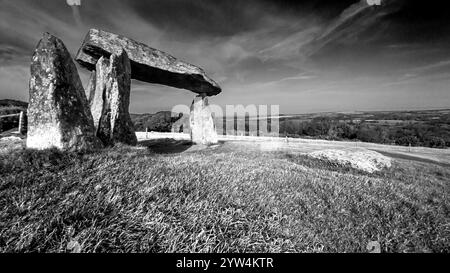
(159, 122)
(13, 103)
(169, 196)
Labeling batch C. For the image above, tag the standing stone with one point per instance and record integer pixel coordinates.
(201, 121)
(58, 112)
(110, 100)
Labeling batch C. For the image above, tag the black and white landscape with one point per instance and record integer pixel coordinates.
(181, 126)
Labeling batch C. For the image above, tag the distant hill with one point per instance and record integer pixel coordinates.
(13, 103)
(159, 122)
(427, 128)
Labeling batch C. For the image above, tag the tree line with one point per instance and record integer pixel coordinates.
(406, 133)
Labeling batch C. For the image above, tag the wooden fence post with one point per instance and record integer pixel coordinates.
(21, 123)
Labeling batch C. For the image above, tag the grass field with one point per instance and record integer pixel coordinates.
(169, 196)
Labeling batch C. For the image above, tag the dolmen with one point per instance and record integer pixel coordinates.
(60, 114)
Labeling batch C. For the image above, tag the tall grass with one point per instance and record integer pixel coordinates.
(220, 199)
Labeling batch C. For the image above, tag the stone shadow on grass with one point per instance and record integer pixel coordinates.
(166, 146)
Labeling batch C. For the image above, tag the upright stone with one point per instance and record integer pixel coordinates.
(148, 64)
(110, 100)
(201, 122)
(58, 112)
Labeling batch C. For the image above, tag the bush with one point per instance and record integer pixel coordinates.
(436, 142)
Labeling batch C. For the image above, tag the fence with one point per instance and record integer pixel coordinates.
(12, 115)
(21, 116)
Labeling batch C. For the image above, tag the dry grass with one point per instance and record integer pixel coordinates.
(220, 199)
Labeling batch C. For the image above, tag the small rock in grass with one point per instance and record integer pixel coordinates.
(74, 247)
(374, 247)
(360, 159)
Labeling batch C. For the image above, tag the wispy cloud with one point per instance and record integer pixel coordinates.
(445, 64)
(439, 70)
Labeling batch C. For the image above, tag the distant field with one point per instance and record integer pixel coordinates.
(302, 146)
(426, 128)
(170, 196)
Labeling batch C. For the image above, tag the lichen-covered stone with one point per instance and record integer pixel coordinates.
(147, 64)
(58, 112)
(110, 100)
(201, 122)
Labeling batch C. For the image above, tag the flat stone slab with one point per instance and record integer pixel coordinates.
(147, 64)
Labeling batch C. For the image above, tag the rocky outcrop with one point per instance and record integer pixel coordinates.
(147, 64)
(201, 122)
(357, 158)
(58, 112)
(110, 100)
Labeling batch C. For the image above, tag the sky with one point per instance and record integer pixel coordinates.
(305, 56)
